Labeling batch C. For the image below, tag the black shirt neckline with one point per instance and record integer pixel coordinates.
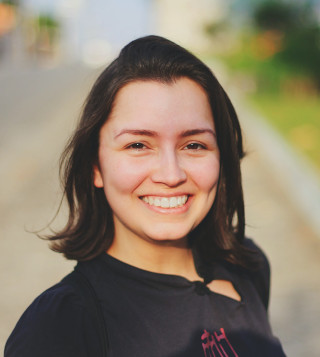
(139, 273)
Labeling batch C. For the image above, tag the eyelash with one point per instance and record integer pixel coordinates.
(140, 146)
(136, 146)
(199, 146)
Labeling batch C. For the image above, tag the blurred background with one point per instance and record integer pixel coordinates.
(267, 56)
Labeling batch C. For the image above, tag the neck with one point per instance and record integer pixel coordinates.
(159, 257)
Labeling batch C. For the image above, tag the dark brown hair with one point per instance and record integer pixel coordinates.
(89, 230)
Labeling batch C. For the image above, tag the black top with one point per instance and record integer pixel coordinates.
(150, 315)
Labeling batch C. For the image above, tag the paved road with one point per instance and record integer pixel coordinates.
(38, 110)
(293, 250)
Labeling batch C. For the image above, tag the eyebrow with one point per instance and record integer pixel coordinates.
(152, 133)
(197, 131)
(137, 132)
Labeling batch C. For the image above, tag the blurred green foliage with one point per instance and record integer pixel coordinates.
(42, 35)
(282, 16)
(296, 118)
(9, 2)
(298, 33)
(276, 62)
(47, 21)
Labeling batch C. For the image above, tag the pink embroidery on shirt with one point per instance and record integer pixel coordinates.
(217, 345)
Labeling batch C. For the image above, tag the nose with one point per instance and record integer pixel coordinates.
(168, 170)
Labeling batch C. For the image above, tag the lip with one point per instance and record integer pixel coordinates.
(175, 210)
(167, 194)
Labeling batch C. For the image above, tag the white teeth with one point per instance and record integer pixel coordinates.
(166, 202)
(173, 202)
(156, 202)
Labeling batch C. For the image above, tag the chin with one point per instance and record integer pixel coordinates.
(168, 237)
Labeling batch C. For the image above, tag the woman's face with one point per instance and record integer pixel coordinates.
(158, 160)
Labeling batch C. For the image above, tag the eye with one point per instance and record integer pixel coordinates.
(195, 146)
(136, 146)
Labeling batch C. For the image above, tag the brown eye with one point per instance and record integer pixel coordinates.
(136, 146)
(195, 146)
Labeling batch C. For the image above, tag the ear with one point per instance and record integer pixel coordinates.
(97, 177)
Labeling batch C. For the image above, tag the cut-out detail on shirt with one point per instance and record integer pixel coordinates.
(225, 288)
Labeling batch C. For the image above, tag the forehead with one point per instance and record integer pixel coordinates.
(182, 104)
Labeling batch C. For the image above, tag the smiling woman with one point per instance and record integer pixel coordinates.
(159, 183)
(156, 223)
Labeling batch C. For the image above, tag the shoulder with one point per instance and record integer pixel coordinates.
(57, 303)
(55, 324)
(260, 276)
(264, 265)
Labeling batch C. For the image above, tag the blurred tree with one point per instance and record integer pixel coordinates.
(9, 2)
(214, 28)
(300, 31)
(47, 28)
(275, 15)
(42, 35)
(47, 21)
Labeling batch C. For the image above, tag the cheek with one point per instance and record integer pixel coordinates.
(206, 174)
(121, 175)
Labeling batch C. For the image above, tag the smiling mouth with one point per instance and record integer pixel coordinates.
(166, 202)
